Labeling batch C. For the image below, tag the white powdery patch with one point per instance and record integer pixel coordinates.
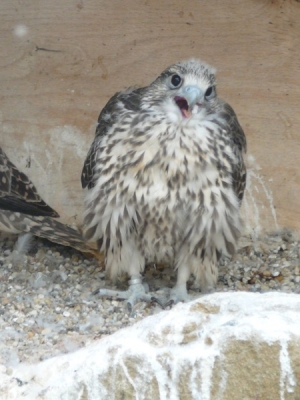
(20, 30)
(55, 162)
(271, 318)
(256, 187)
(287, 378)
(70, 137)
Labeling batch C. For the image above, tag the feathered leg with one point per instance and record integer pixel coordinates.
(205, 272)
(179, 291)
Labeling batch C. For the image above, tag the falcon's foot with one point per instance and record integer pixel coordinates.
(179, 294)
(136, 292)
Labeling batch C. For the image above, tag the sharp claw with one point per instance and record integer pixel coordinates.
(169, 303)
(131, 302)
(129, 307)
(157, 301)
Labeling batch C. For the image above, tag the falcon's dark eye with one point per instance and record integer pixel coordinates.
(176, 80)
(210, 92)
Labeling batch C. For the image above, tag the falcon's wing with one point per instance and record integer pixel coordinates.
(17, 192)
(128, 100)
(22, 210)
(239, 139)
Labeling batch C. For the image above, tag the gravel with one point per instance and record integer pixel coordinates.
(47, 306)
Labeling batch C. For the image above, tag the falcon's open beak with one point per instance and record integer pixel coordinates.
(187, 98)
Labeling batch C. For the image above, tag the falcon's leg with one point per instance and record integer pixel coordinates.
(135, 293)
(179, 292)
(205, 271)
(130, 260)
(21, 248)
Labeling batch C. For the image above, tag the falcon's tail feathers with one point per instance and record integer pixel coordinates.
(48, 228)
(58, 232)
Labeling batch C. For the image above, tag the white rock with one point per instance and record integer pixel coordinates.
(66, 314)
(222, 346)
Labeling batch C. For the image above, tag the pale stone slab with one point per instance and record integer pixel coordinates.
(222, 346)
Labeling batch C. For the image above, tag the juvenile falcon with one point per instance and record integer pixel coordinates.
(23, 211)
(165, 178)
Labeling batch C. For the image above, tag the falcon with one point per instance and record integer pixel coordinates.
(24, 212)
(165, 179)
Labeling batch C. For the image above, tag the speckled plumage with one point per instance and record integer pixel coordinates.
(22, 210)
(166, 177)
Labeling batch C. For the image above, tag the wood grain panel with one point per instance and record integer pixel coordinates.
(74, 55)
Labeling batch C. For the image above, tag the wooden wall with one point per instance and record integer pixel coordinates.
(62, 60)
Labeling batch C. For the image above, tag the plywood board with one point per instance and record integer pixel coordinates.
(61, 62)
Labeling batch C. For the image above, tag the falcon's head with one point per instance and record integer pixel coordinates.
(184, 89)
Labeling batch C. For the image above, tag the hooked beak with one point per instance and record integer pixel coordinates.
(187, 98)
